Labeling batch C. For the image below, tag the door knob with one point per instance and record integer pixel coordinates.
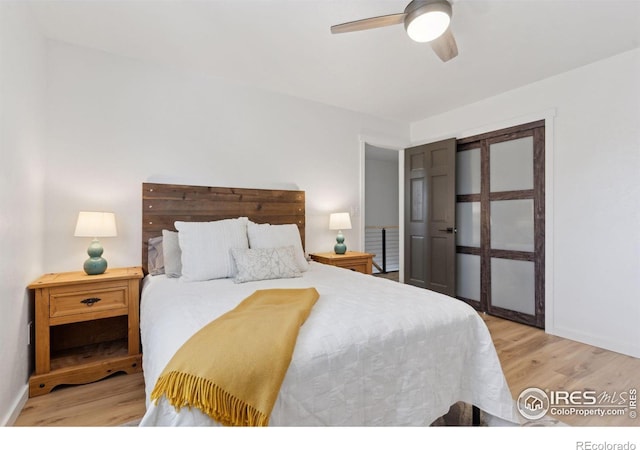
(449, 230)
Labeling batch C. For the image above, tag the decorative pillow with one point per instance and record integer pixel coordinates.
(172, 254)
(256, 264)
(206, 247)
(155, 259)
(265, 235)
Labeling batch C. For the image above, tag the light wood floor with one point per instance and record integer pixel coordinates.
(529, 357)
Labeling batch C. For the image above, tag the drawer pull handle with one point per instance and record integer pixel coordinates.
(90, 301)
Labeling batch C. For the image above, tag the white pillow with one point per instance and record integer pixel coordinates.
(155, 256)
(171, 254)
(206, 247)
(265, 235)
(256, 264)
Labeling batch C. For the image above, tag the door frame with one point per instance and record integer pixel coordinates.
(391, 144)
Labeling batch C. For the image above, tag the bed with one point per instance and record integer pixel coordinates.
(372, 352)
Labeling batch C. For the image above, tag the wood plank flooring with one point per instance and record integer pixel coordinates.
(113, 401)
(532, 358)
(529, 357)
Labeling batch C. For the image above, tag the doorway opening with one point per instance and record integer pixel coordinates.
(382, 210)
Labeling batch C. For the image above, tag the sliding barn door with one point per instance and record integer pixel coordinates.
(501, 215)
(430, 199)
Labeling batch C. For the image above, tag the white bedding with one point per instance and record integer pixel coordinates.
(373, 352)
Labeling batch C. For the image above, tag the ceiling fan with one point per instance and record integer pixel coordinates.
(424, 20)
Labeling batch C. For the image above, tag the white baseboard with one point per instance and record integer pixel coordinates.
(14, 412)
(629, 349)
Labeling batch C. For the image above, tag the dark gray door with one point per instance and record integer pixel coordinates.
(430, 199)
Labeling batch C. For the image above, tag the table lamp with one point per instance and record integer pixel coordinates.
(340, 221)
(95, 224)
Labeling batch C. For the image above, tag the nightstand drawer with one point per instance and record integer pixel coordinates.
(358, 267)
(88, 299)
(356, 261)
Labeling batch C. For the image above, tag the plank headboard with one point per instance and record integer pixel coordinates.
(163, 204)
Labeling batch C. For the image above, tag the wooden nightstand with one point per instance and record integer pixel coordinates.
(360, 262)
(86, 327)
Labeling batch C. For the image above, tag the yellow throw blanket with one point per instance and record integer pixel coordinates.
(233, 367)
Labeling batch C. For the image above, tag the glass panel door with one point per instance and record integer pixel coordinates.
(511, 226)
(500, 223)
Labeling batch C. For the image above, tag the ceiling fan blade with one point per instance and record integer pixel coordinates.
(366, 24)
(445, 46)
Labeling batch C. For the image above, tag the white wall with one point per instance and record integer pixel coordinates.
(594, 169)
(381, 199)
(114, 123)
(22, 93)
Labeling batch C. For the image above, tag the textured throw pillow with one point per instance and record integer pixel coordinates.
(206, 247)
(155, 258)
(265, 235)
(172, 254)
(256, 264)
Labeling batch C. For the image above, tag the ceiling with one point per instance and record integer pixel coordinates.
(286, 46)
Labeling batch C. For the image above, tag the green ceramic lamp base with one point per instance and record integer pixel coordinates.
(340, 248)
(96, 264)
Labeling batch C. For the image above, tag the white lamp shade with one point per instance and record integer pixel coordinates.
(96, 224)
(339, 221)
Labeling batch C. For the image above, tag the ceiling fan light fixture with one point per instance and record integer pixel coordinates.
(428, 20)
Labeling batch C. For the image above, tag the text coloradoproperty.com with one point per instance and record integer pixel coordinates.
(572, 410)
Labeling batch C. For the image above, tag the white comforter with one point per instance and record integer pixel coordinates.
(373, 352)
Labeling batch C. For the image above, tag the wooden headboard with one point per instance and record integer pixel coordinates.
(163, 204)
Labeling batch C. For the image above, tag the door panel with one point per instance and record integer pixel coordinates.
(513, 285)
(512, 225)
(417, 200)
(430, 219)
(468, 224)
(511, 165)
(438, 272)
(439, 208)
(468, 172)
(468, 276)
(416, 267)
